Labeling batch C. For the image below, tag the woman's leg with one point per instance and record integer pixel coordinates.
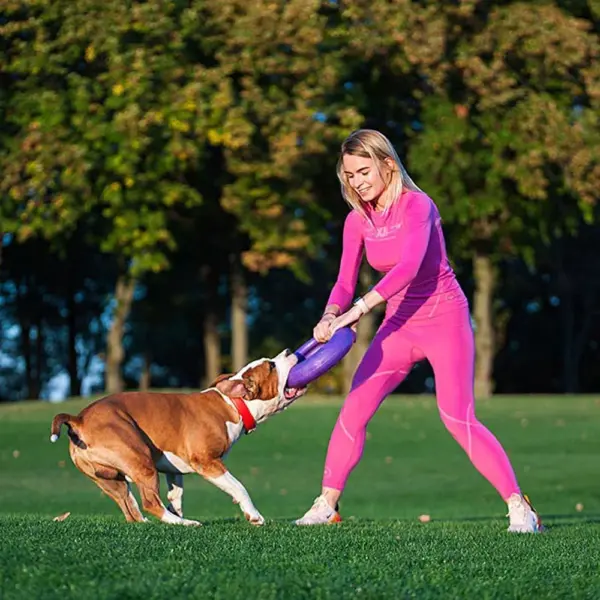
(386, 363)
(449, 346)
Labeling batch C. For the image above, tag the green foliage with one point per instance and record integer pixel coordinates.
(107, 118)
(201, 131)
(505, 133)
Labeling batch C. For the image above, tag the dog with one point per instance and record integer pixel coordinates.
(131, 437)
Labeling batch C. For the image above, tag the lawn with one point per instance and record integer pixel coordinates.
(411, 467)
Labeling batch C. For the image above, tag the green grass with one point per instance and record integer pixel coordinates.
(411, 467)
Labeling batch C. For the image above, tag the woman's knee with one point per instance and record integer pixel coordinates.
(459, 423)
(353, 411)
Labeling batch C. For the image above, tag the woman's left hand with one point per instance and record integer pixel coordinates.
(348, 318)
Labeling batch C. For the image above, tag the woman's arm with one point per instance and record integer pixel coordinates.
(352, 251)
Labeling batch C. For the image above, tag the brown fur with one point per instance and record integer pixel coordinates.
(121, 436)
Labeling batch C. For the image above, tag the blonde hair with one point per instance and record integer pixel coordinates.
(369, 143)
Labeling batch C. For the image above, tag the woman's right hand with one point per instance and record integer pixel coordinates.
(321, 330)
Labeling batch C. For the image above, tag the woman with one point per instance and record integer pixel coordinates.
(427, 317)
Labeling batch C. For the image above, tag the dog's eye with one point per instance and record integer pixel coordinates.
(272, 366)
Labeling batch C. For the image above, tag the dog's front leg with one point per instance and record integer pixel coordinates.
(218, 475)
(175, 493)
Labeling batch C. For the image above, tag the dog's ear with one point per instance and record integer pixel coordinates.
(221, 378)
(234, 388)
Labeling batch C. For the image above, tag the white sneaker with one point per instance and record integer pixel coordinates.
(522, 515)
(320, 513)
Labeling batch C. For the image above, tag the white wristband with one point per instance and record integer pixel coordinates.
(364, 309)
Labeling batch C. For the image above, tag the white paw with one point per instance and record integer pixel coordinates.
(255, 518)
(191, 523)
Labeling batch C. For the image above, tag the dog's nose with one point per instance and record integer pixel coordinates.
(287, 352)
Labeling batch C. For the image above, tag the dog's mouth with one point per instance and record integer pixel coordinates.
(291, 393)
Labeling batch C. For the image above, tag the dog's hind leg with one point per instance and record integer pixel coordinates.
(110, 481)
(175, 493)
(144, 474)
(120, 492)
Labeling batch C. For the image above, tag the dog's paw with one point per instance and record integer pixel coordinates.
(255, 519)
(190, 523)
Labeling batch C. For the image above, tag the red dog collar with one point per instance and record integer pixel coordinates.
(247, 419)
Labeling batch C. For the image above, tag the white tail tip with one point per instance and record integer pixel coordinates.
(53, 437)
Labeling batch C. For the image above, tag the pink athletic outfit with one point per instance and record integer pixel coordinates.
(427, 317)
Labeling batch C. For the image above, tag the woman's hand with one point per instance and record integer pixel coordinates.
(321, 330)
(350, 317)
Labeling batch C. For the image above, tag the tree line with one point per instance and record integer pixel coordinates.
(168, 200)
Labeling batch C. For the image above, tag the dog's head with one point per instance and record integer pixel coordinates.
(262, 383)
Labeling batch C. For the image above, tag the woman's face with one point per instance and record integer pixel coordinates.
(363, 177)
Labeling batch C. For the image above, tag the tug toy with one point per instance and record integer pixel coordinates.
(315, 359)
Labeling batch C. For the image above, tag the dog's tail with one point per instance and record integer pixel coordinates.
(73, 425)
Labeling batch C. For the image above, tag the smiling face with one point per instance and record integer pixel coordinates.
(368, 179)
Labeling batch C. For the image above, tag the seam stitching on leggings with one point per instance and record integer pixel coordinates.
(469, 438)
(469, 425)
(388, 373)
(345, 430)
(329, 474)
(437, 301)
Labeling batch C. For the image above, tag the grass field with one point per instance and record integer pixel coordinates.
(411, 467)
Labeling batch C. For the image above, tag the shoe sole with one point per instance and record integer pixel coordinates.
(334, 519)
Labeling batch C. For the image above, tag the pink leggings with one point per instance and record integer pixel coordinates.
(446, 341)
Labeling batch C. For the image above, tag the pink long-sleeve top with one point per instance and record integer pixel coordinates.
(406, 243)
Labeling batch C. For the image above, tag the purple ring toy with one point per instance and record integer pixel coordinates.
(315, 359)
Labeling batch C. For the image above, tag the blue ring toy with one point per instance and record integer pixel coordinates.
(315, 359)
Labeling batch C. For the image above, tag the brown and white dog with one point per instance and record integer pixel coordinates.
(134, 436)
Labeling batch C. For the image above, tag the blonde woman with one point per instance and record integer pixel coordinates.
(427, 317)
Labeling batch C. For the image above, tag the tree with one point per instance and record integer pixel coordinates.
(502, 138)
(110, 122)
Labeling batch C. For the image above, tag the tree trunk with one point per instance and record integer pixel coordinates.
(575, 339)
(364, 333)
(27, 355)
(485, 343)
(212, 337)
(145, 379)
(74, 379)
(114, 345)
(36, 390)
(239, 315)
(25, 316)
(212, 347)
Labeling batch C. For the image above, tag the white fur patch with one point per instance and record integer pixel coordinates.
(169, 517)
(234, 430)
(261, 410)
(175, 492)
(171, 463)
(230, 485)
(131, 498)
